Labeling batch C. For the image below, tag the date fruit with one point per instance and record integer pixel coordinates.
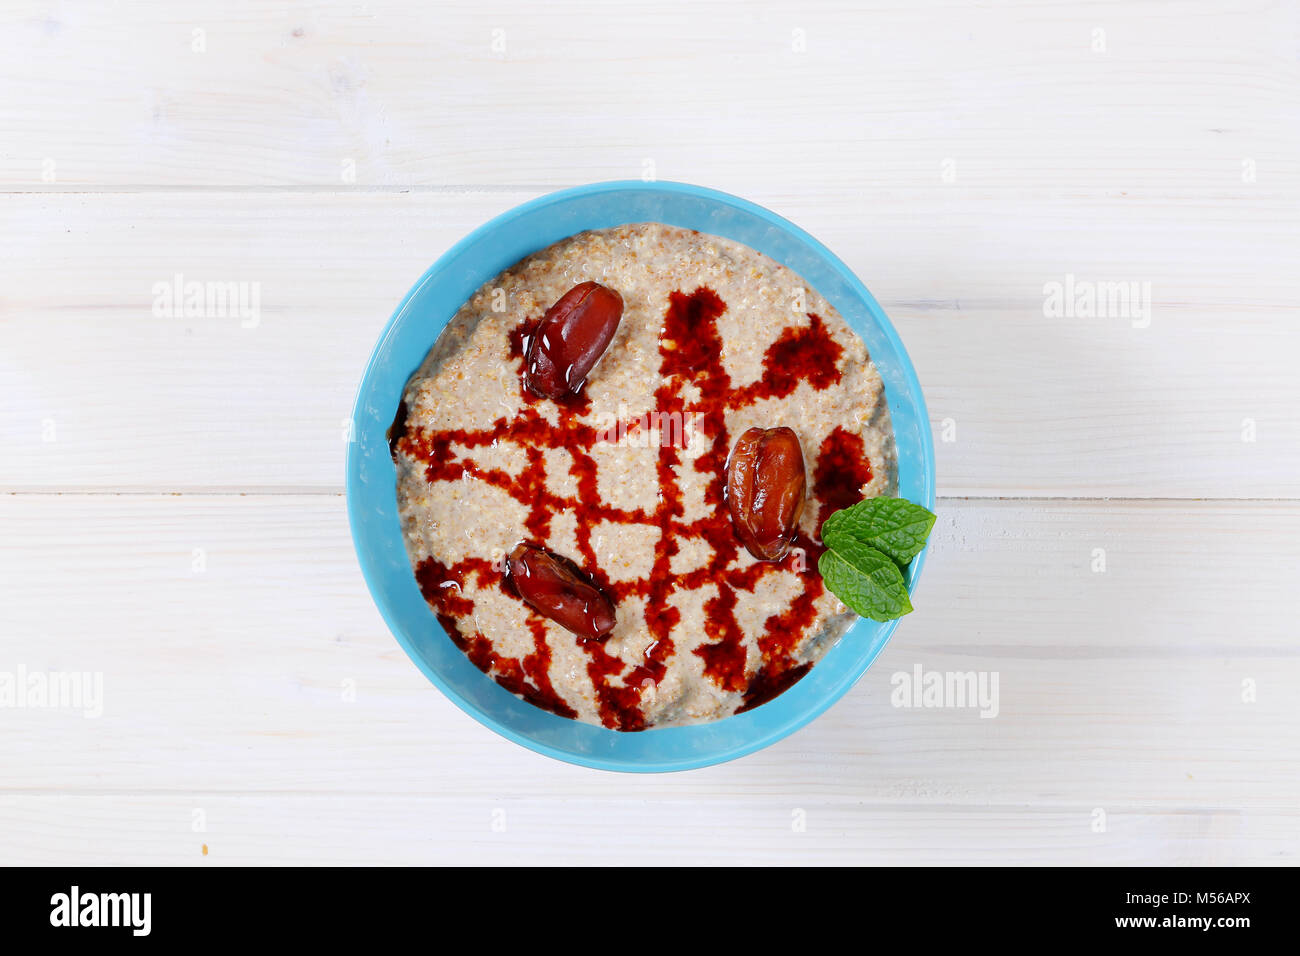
(765, 490)
(570, 339)
(558, 589)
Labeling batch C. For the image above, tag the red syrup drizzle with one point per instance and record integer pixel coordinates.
(842, 469)
(690, 353)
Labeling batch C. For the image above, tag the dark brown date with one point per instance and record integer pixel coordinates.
(570, 339)
(765, 490)
(558, 589)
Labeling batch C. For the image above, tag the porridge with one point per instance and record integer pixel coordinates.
(613, 466)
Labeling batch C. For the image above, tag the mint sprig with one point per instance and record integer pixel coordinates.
(892, 525)
(868, 546)
(870, 582)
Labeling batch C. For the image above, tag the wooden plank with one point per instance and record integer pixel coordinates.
(227, 629)
(101, 393)
(515, 827)
(1055, 97)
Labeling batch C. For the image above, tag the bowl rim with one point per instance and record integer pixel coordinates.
(368, 565)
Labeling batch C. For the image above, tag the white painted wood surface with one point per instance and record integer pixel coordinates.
(171, 512)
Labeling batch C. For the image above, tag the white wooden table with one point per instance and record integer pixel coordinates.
(1119, 532)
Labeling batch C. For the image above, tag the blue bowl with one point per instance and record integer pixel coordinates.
(371, 479)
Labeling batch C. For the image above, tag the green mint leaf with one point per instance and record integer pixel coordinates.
(867, 580)
(895, 526)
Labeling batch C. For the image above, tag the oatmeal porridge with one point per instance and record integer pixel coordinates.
(613, 466)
